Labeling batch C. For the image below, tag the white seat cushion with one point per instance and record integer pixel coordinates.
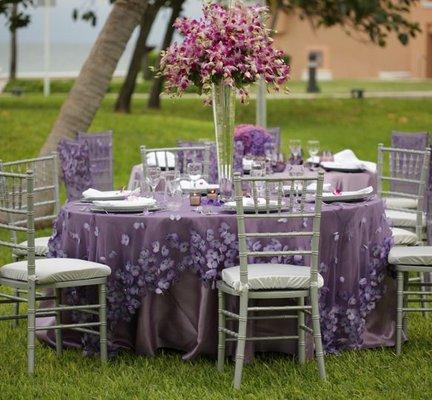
(271, 276)
(404, 219)
(52, 270)
(410, 255)
(403, 237)
(41, 247)
(400, 202)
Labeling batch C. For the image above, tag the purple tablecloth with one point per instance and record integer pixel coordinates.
(164, 266)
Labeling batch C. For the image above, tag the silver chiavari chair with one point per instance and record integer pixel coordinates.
(173, 158)
(404, 166)
(46, 203)
(273, 281)
(46, 194)
(399, 168)
(35, 274)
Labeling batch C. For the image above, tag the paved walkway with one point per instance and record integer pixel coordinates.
(419, 94)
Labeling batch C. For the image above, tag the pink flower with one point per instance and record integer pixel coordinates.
(227, 45)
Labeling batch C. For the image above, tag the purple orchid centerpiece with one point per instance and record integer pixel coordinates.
(223, 52)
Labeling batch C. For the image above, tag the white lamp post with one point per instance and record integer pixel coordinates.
(47, 43)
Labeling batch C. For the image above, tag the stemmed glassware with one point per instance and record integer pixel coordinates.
(173, 194)
(153, 177)
(295, 147)
(313, 149)
(194, 170)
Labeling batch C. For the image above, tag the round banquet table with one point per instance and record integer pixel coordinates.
(161, 293)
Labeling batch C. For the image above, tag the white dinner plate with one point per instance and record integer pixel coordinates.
(108, 195)
(345, 196)
(342, 167)
(250, 208)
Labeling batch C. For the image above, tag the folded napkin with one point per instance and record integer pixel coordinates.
(199, 184)
(365, 191)
(348, 157)
(93, 193)
(247, 164)
(160, 157)
(131, 202)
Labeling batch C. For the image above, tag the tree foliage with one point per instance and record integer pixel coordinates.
(17, 20)
(378, 19)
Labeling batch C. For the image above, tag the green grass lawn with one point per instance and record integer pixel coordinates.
(338, 124)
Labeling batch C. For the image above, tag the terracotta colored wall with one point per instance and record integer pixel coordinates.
(347, 57)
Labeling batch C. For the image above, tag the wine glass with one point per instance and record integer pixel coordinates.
(153, 177)
(194, 170)
(295, 147)
(174, 195)
(313, 149)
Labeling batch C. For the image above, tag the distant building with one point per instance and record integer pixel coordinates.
(345, 57)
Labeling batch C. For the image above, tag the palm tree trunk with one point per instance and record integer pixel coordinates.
(156, 90)
(13, 45)
(124, 98)
(92, 83)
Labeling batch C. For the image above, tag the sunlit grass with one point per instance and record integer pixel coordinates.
(373, 374)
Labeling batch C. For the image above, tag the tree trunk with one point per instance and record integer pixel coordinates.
(95, 76)
(14, 46)
(124, 98)
(154, 99)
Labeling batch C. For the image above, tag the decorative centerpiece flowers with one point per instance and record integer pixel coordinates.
(222, 53)
(254, 139)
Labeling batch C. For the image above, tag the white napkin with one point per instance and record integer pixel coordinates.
(247, 164)
(93, 193)
(160, 157)
(131, 202)
(365, 191)
(199, 184)
(348, 157)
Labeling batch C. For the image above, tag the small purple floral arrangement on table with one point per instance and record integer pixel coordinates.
(254, 139)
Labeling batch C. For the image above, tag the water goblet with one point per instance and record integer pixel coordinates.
(194, 170)
(295, 148)
(313, 149)
(153, 177)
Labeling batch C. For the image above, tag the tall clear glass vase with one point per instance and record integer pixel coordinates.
(224, 115)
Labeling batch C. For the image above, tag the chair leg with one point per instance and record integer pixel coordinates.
(423, 301)
(319, 353)
(399, 311)
(58, 332)
(301, 333)
(16, 309)
(31, 325)
(103, 324)
(241, 339)
(405, 304)
(222, 335)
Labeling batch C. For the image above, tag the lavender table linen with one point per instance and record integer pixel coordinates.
(161, 292)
